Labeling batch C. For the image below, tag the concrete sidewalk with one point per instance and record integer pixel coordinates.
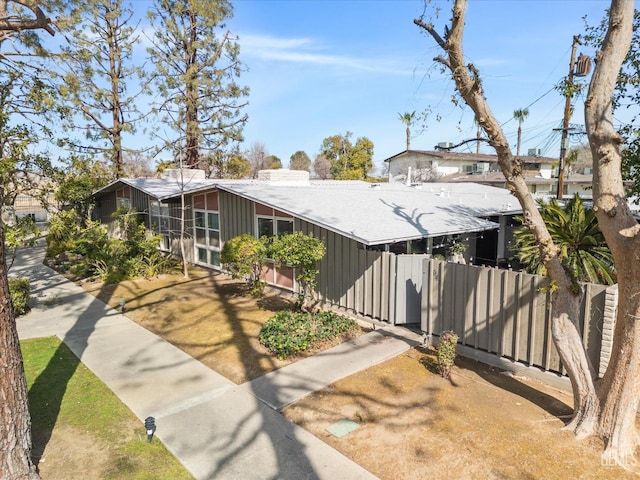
(216, 428)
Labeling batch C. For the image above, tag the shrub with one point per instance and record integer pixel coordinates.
(62, 232)
(19, 289)
(244, 257)
(302, 252)
(92, 241)
(287, 333)
(96, 255)
(446, 352)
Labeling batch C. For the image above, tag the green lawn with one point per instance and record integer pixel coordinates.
(74, 413)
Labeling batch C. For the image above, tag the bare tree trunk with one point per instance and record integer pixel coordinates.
(620, 388)
(116, 106)
(191, 71)
(565, 332)
(15, 422)
(568, 341)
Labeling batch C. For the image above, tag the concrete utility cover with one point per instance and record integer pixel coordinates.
(341, 428)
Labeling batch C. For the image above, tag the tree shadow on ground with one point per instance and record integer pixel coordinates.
(46, 395)
(510, 383)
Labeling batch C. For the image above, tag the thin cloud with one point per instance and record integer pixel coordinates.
(305, 50)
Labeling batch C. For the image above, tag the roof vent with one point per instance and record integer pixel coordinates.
(284, 176)
(183, 174)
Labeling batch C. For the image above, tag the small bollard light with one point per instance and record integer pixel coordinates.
(150, 425)
(122, 302)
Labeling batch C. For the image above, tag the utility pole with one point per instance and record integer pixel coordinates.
(565, 120)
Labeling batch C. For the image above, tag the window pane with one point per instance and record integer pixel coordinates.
(215, 258)
(201, 237)
(265, 227)
(213, 221)
(202, 255)
(198, 201)
(123, 202)
(199, 219)
(285, 226)
(214, 238)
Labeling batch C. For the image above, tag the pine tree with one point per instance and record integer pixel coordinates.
(196, 63)
(98, 75)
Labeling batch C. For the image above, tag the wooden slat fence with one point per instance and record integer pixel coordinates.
(502, 312)
(495, 312)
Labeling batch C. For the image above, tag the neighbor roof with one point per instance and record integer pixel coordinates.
(473, 157)
(499, 178)
(369, 213)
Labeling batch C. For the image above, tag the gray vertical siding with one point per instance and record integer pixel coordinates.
(107, 206)
(352, 278)
(236, 215)
(503, 313)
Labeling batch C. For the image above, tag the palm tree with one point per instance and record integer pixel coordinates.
(478, 133)
(407, 119)
(520, 115)
(574, 229)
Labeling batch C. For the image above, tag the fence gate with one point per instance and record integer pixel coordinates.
(408, 294)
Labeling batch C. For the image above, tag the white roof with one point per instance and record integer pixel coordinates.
(369, 213)
(386, 212)
(163, 188)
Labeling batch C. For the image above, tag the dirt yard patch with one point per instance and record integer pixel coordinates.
(482, 424)
(210, 316)
(411, 422)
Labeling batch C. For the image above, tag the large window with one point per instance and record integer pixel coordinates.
(270, 222)
(123, 197)
(207, 229)
(160, 222)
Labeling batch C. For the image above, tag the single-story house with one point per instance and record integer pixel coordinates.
(351, 217)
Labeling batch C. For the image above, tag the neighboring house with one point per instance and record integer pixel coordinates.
(539, 186)
(29, 206)
(358, 222)
(540, 173)
(35, 208)
(32, 196)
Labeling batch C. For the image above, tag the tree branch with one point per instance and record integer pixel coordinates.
(10, 23)
(428, 27)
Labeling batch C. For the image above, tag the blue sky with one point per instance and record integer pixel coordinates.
(319, 68)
